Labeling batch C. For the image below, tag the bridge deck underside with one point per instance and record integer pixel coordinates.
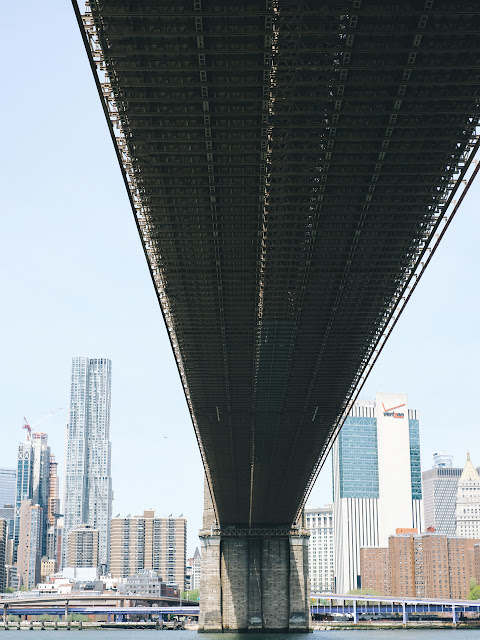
(293, 159)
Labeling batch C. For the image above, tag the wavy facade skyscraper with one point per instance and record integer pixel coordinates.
(88, 481)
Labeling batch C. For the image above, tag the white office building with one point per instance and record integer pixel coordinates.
(88, 482)
(320, 548)
(468, 502)
(377, 481)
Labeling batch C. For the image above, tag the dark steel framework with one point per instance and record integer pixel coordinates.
(289, 163)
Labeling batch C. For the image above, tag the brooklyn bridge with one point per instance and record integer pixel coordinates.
(291, 166)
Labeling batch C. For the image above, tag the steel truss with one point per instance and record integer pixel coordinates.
(256, 532)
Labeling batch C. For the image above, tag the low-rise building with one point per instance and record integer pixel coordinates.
(146, 582)
(47, 568)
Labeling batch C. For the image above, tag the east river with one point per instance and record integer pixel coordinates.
(377, 634)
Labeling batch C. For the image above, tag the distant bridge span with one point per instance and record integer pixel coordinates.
(289, 164)
(89, 600)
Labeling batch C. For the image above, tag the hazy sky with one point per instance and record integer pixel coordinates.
(75, 282)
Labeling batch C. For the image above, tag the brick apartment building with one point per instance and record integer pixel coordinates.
(427, 565)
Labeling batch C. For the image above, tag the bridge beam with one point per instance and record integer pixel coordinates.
(255, 579)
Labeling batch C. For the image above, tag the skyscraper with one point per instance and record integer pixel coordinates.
(53, 512)
(8, 484)
(41, 480)
(439, 488)
(24, 485)
(88, 482)
(468, 502)
(377, 480)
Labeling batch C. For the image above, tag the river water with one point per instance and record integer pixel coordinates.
(151, 634)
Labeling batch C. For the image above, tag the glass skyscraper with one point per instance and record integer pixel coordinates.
(8, 483)
(88, 482)
(377, 480)
(24, 489)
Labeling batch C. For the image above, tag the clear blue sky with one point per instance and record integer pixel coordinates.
(75, 282)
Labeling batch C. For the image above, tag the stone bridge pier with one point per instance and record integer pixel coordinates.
(254, 580)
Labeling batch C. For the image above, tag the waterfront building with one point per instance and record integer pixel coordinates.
(88, 482)
(425, 565)
(8, 484)
(476, 562)
(320, 549)
(83, 547)
(468, 502)
(3, 554)
(439, 489)
(432, 569)
(401, 561)
(30, 545)
(149, 542)
(374, 570)
(377, 480)
(461, 559)
(146, 582)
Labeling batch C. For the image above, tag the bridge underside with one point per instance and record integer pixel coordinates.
(288, 162)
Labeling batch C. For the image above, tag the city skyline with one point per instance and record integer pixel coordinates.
(96, 297)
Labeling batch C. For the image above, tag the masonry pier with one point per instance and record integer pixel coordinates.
(254, 579)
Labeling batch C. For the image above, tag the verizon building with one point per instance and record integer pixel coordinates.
(377, 481)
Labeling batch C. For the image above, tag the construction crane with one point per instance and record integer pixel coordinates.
(28, 428)
(44, 417)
